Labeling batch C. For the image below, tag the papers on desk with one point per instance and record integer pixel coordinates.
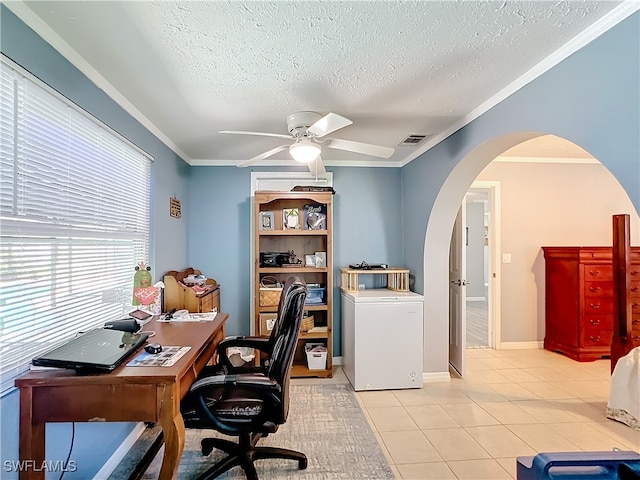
(168, 357)
(191, 317)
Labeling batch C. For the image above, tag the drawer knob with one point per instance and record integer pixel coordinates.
(595, 306)
(636, 337)
(594, 289)
(594, 339)
(594, 322)
(635, 305)
(635, 321)
(635, 273)
(594, 273)
(634, 289)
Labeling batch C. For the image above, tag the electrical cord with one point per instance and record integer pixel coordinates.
(66, 462)
(151, 333)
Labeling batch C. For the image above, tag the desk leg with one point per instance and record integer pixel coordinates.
(173, 430)
(32, 437)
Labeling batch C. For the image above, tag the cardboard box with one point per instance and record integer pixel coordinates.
(267, 320)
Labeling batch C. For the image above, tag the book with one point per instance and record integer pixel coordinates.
(315, 217)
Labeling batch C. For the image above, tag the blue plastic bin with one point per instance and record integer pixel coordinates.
(579, 466)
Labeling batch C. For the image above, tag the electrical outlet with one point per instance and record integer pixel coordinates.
(361, 286)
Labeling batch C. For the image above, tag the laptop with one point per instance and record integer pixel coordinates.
(100, 350)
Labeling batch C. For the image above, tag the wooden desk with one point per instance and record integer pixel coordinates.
(128, 394)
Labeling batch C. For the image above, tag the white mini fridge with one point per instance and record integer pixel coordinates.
(382, 339)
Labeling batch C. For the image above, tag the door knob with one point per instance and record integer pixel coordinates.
(459, 282)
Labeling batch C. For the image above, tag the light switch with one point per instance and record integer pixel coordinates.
(506, 258)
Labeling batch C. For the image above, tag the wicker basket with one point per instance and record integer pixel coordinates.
(306, 324)
(269, 296)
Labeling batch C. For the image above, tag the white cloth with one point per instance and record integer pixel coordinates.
(624, 397)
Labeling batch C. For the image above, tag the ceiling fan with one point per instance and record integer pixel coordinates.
(308, 130)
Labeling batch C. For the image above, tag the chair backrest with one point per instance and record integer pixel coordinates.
(276, 325)
(284, 348)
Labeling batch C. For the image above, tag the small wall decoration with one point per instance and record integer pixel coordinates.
(291, 219)
(266, 221)
(175, 207)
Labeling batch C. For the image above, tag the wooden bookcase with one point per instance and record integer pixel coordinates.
(270, 235)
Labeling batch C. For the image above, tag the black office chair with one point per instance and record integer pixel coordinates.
(263, 345)
(250, 405)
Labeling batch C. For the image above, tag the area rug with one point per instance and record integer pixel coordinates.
(325, 422)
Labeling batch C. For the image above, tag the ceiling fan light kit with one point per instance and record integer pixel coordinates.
(304, 151)
(304, 129)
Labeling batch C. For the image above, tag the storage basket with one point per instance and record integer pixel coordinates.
(315, 295)
(270, 297)
(316, 359)
(306, 324)
(270, 291)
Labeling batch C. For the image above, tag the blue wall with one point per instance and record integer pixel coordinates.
(367, 220)
(592, 99)
(94, 443)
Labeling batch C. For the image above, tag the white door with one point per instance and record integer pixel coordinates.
(457, 293)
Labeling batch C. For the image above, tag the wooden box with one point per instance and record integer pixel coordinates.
(266, 323)
(182, 297)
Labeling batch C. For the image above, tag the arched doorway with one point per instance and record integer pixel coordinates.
(437, 242)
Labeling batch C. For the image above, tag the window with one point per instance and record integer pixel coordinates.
(74, 220)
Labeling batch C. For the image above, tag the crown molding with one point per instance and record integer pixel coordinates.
(610, 20)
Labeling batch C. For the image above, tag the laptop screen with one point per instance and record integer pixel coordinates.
(99, 349)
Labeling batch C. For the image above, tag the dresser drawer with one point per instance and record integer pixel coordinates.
(598, 289)
(593, 323)
(597, 272)
(596, 338)
(598, 305)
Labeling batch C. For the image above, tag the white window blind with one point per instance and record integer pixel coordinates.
(74, 220)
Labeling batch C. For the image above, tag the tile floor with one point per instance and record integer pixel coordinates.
(511, 403)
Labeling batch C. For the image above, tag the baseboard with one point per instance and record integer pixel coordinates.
(336, 361)
(117, 456)
(436, 377)
(520, 345)
(476, 299)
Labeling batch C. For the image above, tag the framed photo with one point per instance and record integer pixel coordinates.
(309, 260)
(291, 219)
(315, 217)
(266, 221)
(321, 259)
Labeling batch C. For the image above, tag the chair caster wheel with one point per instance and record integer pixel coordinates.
(302, 464)
(206, 446)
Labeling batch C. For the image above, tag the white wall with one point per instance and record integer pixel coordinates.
(549, 205)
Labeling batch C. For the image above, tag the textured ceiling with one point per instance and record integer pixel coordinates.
(189, 69)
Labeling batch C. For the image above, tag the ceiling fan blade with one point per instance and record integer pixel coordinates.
(264, 155)
(261, 134)
(316, 167)
(328, 124)
(359, 147)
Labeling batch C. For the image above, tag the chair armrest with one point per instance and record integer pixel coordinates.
(259, 343)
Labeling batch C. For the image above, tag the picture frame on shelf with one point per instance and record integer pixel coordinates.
(291, 219)
(321, 259)
(315, 217)
(309, 260)
(266, 221)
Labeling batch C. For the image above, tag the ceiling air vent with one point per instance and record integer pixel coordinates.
(413, 139)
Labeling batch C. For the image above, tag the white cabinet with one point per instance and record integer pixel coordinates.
(382, 339)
